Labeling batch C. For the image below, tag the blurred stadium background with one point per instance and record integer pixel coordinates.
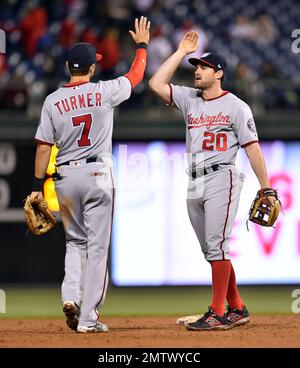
(264, 69)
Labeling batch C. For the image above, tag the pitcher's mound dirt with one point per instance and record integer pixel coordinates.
(158, 332)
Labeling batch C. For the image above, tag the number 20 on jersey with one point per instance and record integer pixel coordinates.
(214, 141)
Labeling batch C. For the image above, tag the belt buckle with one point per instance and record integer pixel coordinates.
(208, 170)
(211, 168)
(196, 173)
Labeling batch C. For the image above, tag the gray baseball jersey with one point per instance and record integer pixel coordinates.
(79, 118)
(215, 129)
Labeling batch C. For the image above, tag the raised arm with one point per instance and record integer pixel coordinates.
(159, 83)
(141, 37)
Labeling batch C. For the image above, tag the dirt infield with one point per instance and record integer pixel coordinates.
(158, 332)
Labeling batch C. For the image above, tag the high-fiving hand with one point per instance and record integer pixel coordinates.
(189, 43)
(142, 27)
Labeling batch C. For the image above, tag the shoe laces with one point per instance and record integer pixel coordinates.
(233, 310)
(210, 312)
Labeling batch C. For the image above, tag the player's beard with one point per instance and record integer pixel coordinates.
(203, 85)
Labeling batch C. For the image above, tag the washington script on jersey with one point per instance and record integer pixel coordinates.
(79, 102)
(207, 120)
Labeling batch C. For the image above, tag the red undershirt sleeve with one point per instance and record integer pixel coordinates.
(137, 70)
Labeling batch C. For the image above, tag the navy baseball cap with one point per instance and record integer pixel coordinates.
(82, 55)
(211, 59)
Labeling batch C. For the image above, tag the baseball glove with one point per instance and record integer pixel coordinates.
(262, 212)
(38, 217)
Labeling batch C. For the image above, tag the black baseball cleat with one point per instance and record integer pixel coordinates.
(209, 321)
(237, 317)
(72, 312)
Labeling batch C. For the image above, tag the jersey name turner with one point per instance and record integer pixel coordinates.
(78, 118)
(80, 101)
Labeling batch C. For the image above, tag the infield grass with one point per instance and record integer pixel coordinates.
(44, 302)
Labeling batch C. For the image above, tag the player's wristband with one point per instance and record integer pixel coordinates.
(37, 185)
(142, 45)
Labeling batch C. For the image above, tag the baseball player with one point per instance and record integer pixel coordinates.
(78, 118)
(217, 123)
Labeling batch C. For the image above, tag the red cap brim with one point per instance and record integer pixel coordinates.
(98, 57)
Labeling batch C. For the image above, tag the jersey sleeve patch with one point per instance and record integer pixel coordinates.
(251, 126)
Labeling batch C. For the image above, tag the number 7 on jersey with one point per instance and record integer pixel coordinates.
(86, 120)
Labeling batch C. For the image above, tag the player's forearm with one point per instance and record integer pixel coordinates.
(137, 70)
(141, 37)
(166, 71)
(258, 165)
(42, 158)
